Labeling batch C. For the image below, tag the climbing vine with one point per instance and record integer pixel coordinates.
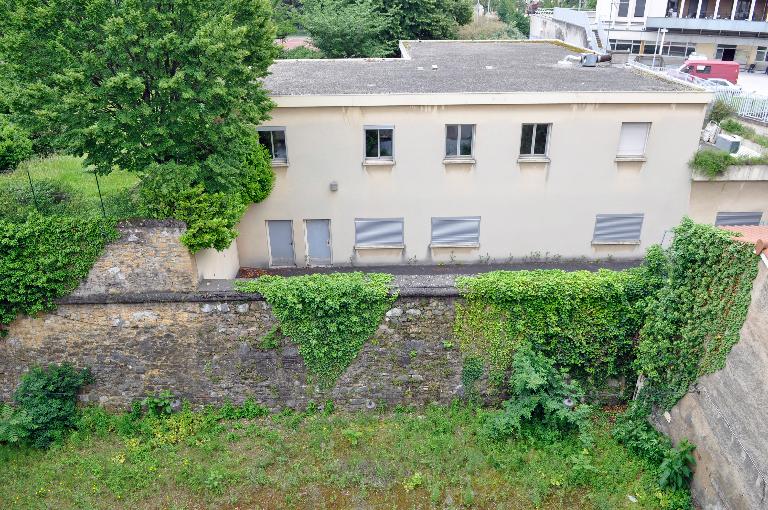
(329, 316)
(585, 321)
(699, 312)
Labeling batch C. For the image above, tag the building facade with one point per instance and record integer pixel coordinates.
(673, 29)
(467, 152)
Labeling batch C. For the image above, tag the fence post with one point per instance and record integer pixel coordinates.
(32, 187)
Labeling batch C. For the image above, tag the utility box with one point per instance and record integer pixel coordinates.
(728, 143)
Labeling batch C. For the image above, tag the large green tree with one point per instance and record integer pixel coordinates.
(129, 83)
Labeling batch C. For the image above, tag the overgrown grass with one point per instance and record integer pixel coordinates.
(713, 162)
(428, 458)
(69, 174)
(737, 128)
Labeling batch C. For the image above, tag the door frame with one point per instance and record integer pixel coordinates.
(306, 242)
(269, 244)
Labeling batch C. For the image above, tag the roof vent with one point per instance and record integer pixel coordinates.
(434, 67)
(420, 68)
(489, 67)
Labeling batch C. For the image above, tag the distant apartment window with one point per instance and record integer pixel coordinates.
(379, 142)
(738, 218)
(459, 140)
(639, 8)
(623, 8)
(633, 138)
(273, 138)
(533, 141)
(617, 228)
(378, 232)
(761, 52)
(721, 47)
(457, 231)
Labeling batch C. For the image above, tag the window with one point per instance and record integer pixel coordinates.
(623, 8)
(378, 233)
(273, 138)
(639, 8)
(632, 141)
(704, 69)
(533, 141)
(461, 231)
(379, 142)
(761, 54)
(721, 47)
(458, 140)
(617, 228)
(738, 218)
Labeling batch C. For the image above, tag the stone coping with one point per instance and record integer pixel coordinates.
(737, 173)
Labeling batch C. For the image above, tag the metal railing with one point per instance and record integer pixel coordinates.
(544, 13)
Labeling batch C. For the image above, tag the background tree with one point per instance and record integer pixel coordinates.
(344, 28)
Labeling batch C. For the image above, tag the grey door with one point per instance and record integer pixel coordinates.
(280, 242)
(318, 242)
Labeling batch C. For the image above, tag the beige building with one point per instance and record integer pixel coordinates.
(467, 151)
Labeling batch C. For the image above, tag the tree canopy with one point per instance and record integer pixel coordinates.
(130, 83)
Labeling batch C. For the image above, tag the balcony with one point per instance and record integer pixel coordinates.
(709, 25)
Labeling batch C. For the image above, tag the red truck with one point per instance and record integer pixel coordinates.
(707, 69)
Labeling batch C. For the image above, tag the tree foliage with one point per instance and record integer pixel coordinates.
(330, 316)
(138, 82)
(15, 146)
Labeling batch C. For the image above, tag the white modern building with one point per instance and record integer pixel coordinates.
(720, 29)
(471, 151)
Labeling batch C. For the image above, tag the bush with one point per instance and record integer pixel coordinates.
(586, 321)
(17, 199)
(486, 28)
(209, 198)
(737, 128)
(720, 111)
(330, 316)
(46, 405)
(300, 52)
(44, 258)
(15, 146)
(633, 430)
(539, 394)
(676, 468)
(711, 162)
(344, 29)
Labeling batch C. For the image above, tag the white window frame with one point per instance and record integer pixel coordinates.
(458, 156)
(378, 128)
(635, 157)
(531, 155)
(271, 129)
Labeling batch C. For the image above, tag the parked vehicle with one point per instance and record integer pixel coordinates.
(709, 69)
(722, 82)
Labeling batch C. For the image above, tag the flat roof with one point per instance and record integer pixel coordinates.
(462, 67)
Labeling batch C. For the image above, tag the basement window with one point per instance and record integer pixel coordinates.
(379, 233)
(617, 229)
(463, 231)
(273, 138)
(738, 218)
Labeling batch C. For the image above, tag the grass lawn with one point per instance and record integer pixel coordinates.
(428, 458)
(69, 172)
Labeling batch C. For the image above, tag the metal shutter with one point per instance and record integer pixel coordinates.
(379, 232)
(738, 218)
(456, 231)
(618, 227)
(633, 138)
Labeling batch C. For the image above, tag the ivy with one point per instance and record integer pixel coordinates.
(586, 321)
(329, 316)
(44, 258)
(699, 312)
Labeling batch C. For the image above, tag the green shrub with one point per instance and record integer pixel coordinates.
(46, 403)
(711, 162)
(300, 52)
(737, 128)
(17, 199)
(720, 111)
(699, 312)
(44, 258)
(539, 394)
(329, 316)
(15, 146)
(210, 198)
(676, 468)
(633, 430)
(586, 321)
